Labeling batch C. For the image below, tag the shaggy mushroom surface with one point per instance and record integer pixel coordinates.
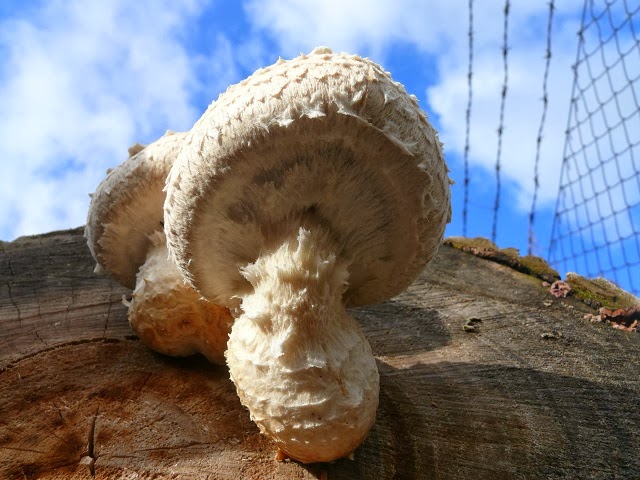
(313, 185)
(125, 235)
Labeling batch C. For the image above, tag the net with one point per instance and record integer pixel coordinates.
(596, 226)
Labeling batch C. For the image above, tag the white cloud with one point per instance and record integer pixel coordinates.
(80, 82)
(370, 27)
(523, 110)
(439, 30)
(355, 26)
(83, 80)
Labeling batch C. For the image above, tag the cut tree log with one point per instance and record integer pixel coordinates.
(532, 390)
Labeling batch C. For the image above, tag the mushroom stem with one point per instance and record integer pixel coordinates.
(171, 317)
(300, 363)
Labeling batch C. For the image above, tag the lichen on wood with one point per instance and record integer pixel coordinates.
(485, 248)
(600, 292)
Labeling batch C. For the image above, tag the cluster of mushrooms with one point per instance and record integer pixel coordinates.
(314, 185)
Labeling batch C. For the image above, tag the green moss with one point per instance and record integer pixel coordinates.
(462, 243)
(484, 248)
(600, 292)
(538, 267)
(597, 292)
(510, 252)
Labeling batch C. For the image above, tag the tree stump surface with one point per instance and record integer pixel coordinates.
(536, 391)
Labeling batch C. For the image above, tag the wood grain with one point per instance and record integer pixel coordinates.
(80, 397)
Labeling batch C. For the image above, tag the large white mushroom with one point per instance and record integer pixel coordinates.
(313, 185)
(125, 235)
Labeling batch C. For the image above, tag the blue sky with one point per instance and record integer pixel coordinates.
(81, 81)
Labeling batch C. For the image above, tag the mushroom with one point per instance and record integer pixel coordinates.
(314, 185)
(125, 235)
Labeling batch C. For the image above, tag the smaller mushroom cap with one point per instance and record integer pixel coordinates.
(127, 208)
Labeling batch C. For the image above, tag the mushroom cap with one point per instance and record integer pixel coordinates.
(127, 208)
(324, 139)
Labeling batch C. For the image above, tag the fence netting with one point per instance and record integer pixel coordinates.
(596, 226)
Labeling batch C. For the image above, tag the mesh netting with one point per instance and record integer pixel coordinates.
(596, 227)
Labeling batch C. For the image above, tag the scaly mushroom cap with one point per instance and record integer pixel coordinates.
(330, 137)
(127, 208)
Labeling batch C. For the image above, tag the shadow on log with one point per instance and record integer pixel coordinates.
(535, 391)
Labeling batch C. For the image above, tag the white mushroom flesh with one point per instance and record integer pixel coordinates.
(327, 133)
(124, 234)
(313, 185)
(300, 363)
(171, 317)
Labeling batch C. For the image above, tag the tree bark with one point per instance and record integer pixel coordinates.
(536, 391)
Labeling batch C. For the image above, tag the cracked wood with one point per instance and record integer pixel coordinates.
(80, 397)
